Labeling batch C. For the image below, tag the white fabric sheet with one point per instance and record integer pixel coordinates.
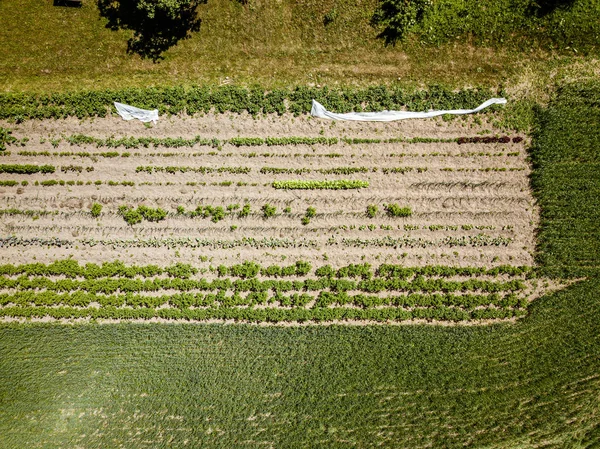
(131, 112)
(387, 116)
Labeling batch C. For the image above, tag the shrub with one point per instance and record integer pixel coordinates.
(393, 210)
(96, 210)
(245, 211)
(130, 215)
(268, 210)
(398, 17)
(372, 210)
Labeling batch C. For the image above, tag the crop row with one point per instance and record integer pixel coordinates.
(195, 99)
(251, 242)
(222, 299)
(178, 142)
(343, 184)
(253, 154)
(340, 170)
(110, 286)
(266, 315)
(72, 269)
(203, 170)
(26, 169)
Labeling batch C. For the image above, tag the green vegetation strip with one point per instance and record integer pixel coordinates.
(566, 181)
(194, 100)
(26, 169)
(343, 184)
(436, 386)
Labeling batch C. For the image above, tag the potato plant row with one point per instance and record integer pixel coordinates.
(266, 315)
(70, 268)
(203, 99)
(121, 285)
(298, 300)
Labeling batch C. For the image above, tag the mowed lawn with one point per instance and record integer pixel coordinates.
(45, 48)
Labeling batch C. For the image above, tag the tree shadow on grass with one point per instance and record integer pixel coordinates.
(152, 34)
(541, 8)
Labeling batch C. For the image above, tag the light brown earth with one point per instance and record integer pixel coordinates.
(500, 201)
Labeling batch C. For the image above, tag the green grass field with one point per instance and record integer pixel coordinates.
(459, 43)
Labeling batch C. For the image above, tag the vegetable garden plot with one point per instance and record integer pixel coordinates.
(450, 200)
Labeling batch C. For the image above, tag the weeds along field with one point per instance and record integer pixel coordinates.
(269, 219)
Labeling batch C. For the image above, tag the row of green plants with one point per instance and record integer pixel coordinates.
(480, 240)
(26, 169)
(343, 184)
(221, 299)
(376, 285)
(202, 170)
(411, 227)
(286, 170)
(114, 154)
(131, 142)
(72, 182)
(136, 215)
(340, 170)
(410, 242)
(203, 99)
(71, 269)
(484, 169)
(266, 315)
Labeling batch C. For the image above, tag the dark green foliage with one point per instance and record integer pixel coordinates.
(518, 24)
(372, 210)
(245, 211)
(194, 100)
(6, 138)
(215, 213)
(398, 18)
(157, 24)
(96, 210)
(268, 210)
(310, 213)
(566, 181)
(394, 210)
(134, 216)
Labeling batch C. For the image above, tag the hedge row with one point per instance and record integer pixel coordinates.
(195, 99)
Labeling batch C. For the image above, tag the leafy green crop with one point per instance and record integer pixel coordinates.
(236, 99)
(393, 210)
(26, 169)
(96, 210)
(312, 185)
